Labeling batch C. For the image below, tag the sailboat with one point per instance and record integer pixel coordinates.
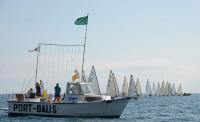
(132, 88)
(179, 92)
(148, 88)
(93, 79)
(124, 90)
(166, 90)
(138, 88)
(116, 86)
(162, 89)
(154, 89)
(80, 98)
(112, 89)
(173, 93)
(158, 90)
(169, 89)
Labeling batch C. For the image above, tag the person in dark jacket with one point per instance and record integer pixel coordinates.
(38, 91)
(57, 93)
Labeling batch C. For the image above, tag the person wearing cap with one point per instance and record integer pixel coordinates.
(57, 93)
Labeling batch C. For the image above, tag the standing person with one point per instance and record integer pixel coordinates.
(57, 93)
(38, 91)
(41, 87)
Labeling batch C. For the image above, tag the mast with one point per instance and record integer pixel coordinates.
(84, 45)
(36, 70)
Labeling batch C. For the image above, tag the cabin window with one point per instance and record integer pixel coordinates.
(75, 89)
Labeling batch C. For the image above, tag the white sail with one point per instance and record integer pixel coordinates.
(154, 89)
(158, 90)
(132, 88)
(83, 79)
(116, 85)
(148, 88)
(125, 87)
(112, 88)
(138, 88)
(166, 92)
(173, 90)
(169, 89)
(162, 89)
(179, 92)
(93, 79)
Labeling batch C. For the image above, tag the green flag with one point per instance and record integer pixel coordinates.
(81, 21)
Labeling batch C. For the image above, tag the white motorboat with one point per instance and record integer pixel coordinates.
(77, 103)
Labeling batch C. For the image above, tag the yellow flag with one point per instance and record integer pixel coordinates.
(45, 93)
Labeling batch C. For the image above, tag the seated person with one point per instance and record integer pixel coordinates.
(30, 93)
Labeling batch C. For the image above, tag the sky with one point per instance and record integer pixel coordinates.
(158, 40)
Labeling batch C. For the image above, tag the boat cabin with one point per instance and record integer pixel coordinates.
(80, 91)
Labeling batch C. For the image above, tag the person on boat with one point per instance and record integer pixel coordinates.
(57, 93)
(38, 90)
(42, 89)
(30, 93)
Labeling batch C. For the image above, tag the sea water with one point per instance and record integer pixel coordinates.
(145, 109)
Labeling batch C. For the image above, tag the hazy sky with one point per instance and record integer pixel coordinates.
(151, 39)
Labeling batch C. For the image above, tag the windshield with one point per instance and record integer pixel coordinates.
(87, 89)
(75, 89)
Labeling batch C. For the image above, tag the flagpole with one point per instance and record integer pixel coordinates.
(84, 46)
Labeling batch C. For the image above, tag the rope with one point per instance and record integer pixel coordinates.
(26, 79)
(48, 69)
(56, 63)
(25, 89)
(72, 59)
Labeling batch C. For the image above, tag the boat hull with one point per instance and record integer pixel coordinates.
(108, 108)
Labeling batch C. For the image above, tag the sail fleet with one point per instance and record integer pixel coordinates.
(133, 88)
(165, 90)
